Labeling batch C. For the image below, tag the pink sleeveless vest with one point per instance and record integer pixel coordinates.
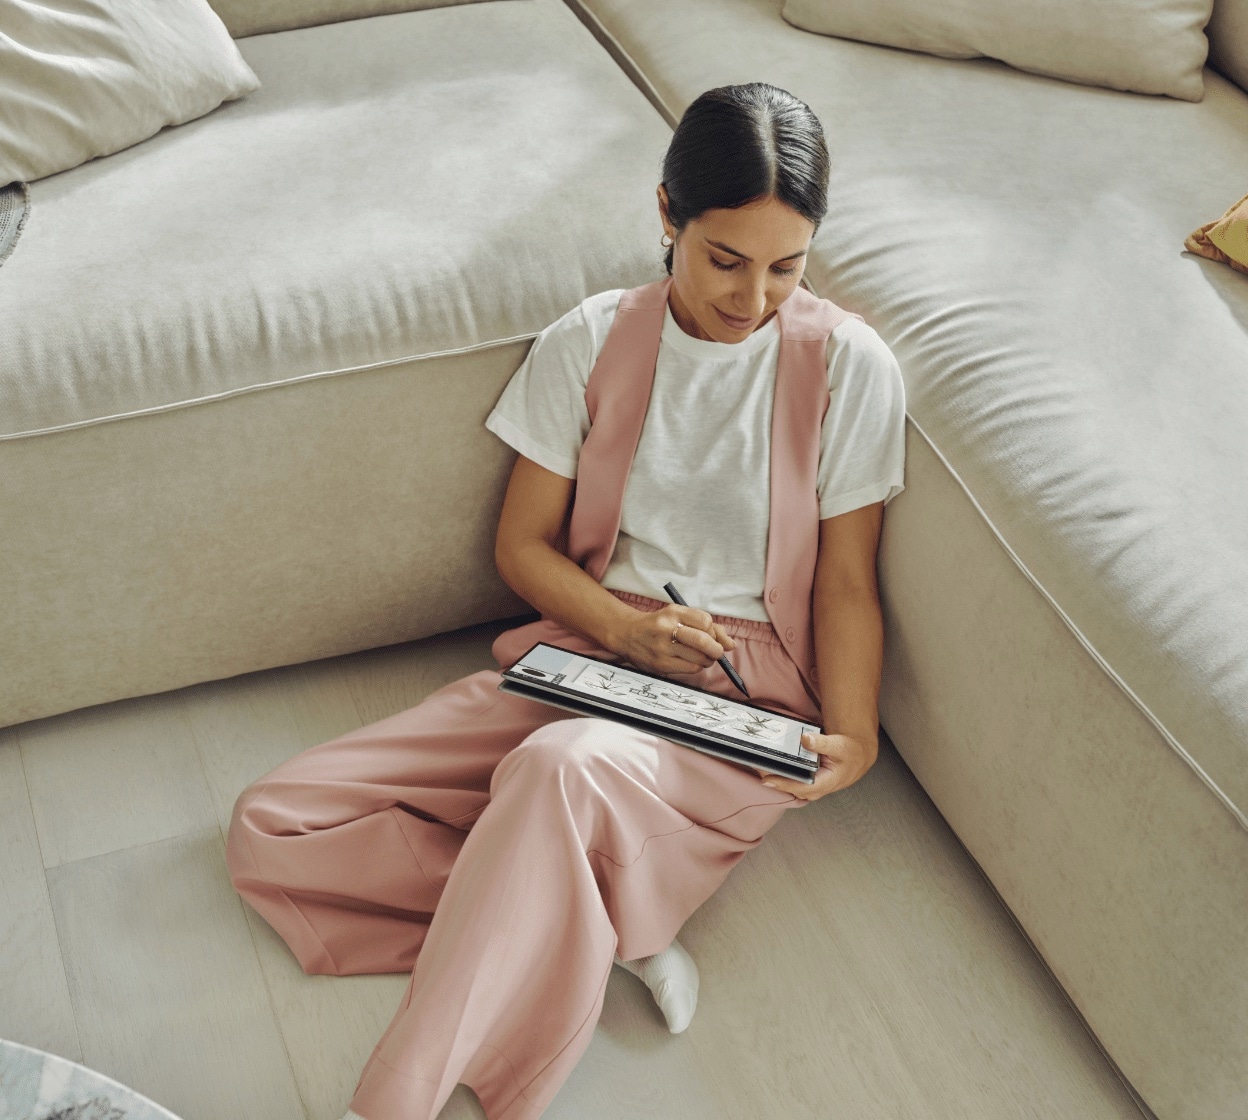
(618, 396)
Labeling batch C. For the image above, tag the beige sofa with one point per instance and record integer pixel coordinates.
(245, 366)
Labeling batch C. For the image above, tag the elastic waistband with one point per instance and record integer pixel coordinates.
(749, 628)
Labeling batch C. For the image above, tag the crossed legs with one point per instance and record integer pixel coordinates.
(502, 850)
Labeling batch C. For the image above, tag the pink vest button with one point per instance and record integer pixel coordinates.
(773, 594)
(791, 634)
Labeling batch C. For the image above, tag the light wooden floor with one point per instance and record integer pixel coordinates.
(855, 965)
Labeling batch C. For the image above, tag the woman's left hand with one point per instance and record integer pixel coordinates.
(844, 759)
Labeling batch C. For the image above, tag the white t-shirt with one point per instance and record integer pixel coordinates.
(697, 501)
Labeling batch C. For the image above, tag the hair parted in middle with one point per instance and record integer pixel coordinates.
(739, 143)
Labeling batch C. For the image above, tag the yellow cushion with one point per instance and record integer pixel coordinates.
(1225, 240)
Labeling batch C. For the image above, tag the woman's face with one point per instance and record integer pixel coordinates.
(731, 269)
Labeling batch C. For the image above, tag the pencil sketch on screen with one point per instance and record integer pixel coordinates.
(673, 702)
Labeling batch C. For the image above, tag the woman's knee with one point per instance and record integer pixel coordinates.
(242, 803)
(567, 746)
(239, 854)
(258, 818)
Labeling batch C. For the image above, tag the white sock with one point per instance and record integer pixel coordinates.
(672, 977)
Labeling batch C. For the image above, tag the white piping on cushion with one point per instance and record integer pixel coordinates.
(1144, 709)
(172, 405)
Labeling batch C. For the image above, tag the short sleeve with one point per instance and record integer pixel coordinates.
(541, 412)
(862, 446)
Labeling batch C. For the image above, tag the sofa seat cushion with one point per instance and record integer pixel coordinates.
(1018, 242)
(405, 185)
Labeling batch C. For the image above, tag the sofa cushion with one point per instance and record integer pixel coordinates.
(1150, 48)
(1228, 40)
(1018, 243)
(85, 78)
(249, 362)
(255, 17)
(401, 186)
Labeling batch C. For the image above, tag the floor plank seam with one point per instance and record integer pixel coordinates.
(47, 891)
(277, 1019)
(30, 801)
(222, 833)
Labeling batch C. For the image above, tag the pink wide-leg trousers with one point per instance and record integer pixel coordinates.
(502, 850)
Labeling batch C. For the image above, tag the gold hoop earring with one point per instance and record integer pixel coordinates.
(666, 241)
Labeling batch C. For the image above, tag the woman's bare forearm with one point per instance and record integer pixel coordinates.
(545, 578)
(849, 650)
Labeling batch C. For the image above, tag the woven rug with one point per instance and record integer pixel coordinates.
(39, 1086)
(14, 206)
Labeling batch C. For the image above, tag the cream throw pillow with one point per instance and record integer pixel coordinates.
(1147, 46)
(84, 78)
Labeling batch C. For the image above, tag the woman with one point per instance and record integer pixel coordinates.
(721, 429)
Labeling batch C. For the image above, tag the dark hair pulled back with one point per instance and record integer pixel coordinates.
(736, 144)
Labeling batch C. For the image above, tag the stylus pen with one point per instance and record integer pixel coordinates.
(733, 675)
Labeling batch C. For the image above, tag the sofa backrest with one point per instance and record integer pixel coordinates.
(1228, 40)
(254, 17)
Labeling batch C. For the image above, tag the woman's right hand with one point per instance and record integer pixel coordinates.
(529, 551)
(646, 641)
